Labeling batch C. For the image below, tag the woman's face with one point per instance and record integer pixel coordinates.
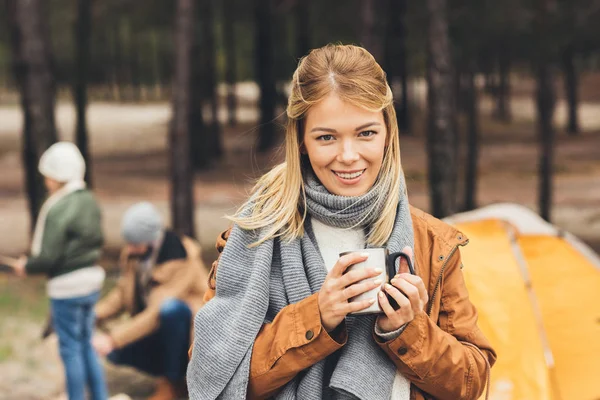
(345, 145)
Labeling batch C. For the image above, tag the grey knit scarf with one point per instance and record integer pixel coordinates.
(254, 284)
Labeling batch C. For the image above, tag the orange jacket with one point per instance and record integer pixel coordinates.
(442, 351)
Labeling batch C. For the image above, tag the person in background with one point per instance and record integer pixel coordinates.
(161, 287)
(66, 247)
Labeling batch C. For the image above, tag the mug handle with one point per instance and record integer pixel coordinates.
(391, 261)
(391, 264)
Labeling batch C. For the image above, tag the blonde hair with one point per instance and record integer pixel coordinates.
(277, 204)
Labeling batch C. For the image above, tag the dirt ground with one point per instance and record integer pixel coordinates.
(130, 163)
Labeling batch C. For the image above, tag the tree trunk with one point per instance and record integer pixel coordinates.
(503, 112)
(213, 139)
(265, 74)
(459, 87)
(441, 129)
(570, 77)
(372, 29)
(182, 204)
(302, 28)
(471, 171)
(117, 62)
(395, 49)
(124, 47)
(545, 111)
(199, 151)
(83, 32)
(230, 60)
(135, 67)
(33, 69)
(156, 70)
(489, 73)
(112, 62)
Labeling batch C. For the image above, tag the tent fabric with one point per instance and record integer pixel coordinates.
(537, 291)
(568, 289)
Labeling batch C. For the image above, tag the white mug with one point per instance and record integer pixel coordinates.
(378, 258)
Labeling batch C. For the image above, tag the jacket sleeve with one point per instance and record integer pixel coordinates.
(450, 360)
(111, 305)
(292, 342)
(53, 246)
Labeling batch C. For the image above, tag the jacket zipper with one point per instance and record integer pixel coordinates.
(439, 279)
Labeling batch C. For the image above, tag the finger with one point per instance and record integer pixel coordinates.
(417, 282)
(403, 267)
(356, 306)
(362, 287)
(385, 305)
(409, 252)
(357, 275)
(345, 261)
(409, 290)
(402, 300)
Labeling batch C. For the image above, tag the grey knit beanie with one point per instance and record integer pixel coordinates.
(141, 224)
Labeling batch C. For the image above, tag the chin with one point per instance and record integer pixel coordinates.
(350, 192)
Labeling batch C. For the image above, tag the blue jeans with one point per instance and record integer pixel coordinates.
(73, 321)
(164, 352)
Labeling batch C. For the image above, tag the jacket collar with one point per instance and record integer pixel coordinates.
(438, 240)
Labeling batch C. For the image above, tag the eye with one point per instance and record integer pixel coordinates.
(367, 133)
(325, 138)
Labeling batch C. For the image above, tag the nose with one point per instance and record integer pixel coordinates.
(348, 153)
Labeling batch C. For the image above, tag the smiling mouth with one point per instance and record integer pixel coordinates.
(349, 175)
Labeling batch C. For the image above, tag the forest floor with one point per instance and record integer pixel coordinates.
(130, 164)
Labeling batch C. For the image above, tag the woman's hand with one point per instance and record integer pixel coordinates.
(340, 286)
(409, 292)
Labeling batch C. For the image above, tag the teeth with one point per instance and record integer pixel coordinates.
(349, 176)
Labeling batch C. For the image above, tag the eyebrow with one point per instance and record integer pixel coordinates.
(323, 129)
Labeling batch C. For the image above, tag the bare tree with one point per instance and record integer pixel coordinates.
(182, 204)
(199, 150)
(116, 61)
(372, 28)
(156, 67)
(230, 59)
(471, 170)
(265, 73)
(570, 78)
(302, 20)
(441, 129)
(33, 70)
(572, 13)
(503, 112)
(545, 108)
(213, 139)
(83, 32)
(395, 56)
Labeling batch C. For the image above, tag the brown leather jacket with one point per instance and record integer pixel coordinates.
(442, 351)
(184, 279)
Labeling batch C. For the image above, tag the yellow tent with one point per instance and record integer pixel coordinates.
(537, 290)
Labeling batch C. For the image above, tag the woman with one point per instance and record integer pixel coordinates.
(66, 247)
(280, 323)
